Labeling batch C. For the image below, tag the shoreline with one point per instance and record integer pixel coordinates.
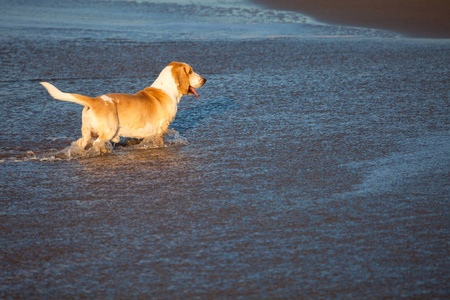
(413, 18)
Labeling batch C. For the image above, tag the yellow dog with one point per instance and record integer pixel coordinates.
(145, 114)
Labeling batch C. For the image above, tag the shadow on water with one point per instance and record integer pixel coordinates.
(190, 117)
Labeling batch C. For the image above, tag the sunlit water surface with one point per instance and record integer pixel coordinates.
(314, 164)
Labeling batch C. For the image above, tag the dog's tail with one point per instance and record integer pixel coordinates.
(57, 94)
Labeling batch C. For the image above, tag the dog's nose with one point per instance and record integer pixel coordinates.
(204, 81)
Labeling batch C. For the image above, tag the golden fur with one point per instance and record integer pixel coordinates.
(144, 114)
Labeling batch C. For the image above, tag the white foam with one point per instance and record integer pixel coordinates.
(173, 137)
(420, 157)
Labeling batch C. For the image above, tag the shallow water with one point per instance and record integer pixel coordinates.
(309, 167)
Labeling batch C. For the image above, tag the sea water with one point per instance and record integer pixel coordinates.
(314, 164)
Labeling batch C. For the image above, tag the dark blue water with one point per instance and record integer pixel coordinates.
(315, 163)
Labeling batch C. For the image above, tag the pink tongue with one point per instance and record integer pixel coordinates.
(193, 90)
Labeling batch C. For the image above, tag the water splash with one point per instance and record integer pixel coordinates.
(171, 139)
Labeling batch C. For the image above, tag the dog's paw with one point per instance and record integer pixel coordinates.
(102, 146)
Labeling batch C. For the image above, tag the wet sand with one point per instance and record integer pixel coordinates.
(413, 18)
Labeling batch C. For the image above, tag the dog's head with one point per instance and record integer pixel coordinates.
(186, 79)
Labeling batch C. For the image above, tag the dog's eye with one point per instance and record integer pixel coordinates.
(190, 71)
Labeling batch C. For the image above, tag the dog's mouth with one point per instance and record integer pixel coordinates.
(193, 92)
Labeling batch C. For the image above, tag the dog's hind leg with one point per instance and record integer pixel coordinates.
(86, 139)
(87, 135)
(102, 145)
(107, 132)
(103, 141)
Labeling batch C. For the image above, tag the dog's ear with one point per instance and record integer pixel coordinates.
(180, 74)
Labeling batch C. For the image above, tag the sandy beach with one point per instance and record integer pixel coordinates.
(413, 18)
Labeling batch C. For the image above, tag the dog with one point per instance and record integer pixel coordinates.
(147, 113)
